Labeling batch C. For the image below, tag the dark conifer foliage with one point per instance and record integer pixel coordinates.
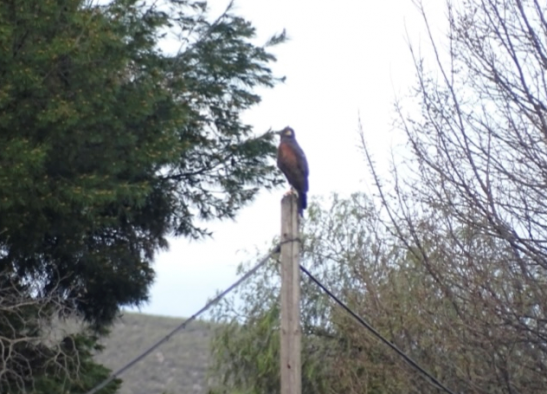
(109, 144)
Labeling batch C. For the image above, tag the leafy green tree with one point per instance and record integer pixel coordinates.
(109, 144)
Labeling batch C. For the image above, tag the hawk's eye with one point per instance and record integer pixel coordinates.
(288, 132)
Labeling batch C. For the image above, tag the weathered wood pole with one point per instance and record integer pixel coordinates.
(291, 380)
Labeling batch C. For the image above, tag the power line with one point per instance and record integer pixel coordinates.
(183, 324)
(249, 273)
(409, 360)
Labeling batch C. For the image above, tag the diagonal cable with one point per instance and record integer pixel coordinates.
(407, 358)
(130, 364)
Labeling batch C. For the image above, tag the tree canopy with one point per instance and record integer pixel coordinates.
(109, 144)
(436, 317)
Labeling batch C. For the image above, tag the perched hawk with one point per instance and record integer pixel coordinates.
(291, 160)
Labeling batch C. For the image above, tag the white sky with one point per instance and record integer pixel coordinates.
(343, 59)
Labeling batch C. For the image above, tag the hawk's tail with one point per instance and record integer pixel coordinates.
(302, 203)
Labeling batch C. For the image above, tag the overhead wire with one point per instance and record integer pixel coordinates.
(208, 305)
(432, 380)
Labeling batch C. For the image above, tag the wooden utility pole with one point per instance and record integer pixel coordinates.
(291, 380)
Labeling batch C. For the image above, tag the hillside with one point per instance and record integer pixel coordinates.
(179, 366)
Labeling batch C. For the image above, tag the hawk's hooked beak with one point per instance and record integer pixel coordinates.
(287, 131)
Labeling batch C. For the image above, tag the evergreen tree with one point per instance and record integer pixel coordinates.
(108, 145)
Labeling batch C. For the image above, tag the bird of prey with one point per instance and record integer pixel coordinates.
(292, 162)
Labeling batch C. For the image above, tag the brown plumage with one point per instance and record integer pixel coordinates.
(291, 160)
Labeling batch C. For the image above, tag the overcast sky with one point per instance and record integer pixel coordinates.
(344, 59)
